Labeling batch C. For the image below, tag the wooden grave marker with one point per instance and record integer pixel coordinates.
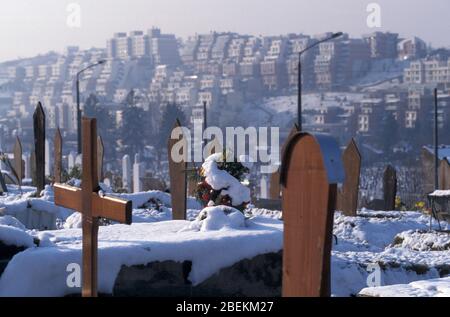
(444, 175)
(348, 196)
(389, 188)
(92, 206)
(18, 162)
(311, 169)
(3, 187)
(57, 168)
(178, 177)
(101, 155)
(39, 147)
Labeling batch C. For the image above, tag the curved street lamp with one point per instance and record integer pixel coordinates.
(78, 101)
(299, 104)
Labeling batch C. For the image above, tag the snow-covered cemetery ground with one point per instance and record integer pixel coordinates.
(411, 261)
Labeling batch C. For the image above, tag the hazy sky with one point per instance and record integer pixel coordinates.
(29, 27)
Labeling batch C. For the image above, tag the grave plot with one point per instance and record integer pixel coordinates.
(221, 248)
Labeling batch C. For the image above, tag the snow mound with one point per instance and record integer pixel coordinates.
(423, 240)
(429, 288)
(74, 221)
(14, 236)
(12, 222)
(217, 218)
(43, 271)
(219, 179)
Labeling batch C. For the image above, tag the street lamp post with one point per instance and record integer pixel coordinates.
(78, 102)
(299, 101)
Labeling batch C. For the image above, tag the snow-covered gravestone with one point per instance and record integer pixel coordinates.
(177, 151)
(93, 205)
(138, 173)
(126, 173)
(27, 160)
(71, 159)
(48, 159)
(347, 201)
(311, 169)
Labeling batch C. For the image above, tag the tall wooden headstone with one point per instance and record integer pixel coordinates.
(178, 177)
(92, 205)
(444, 175)
(39, 146)
(348, 195)
(101, 155)
(3, 188)
(389, 187)
(57, 168)
(311, 169)
(18, 162)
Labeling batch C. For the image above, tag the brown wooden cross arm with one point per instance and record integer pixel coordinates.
(103, 207)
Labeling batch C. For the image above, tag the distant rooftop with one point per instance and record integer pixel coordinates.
(443, 151)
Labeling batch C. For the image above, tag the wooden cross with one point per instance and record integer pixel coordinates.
(92, 205)
(58, 156)
(39, 146)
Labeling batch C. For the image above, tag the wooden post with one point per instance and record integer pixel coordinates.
(178, 179)
(389, 188)
(39, 146)
(311, 169)
(57, 169)
(444, 175)
(3, 188)
(348, 196)
(93, 206)
(18, 165)
(101, 155)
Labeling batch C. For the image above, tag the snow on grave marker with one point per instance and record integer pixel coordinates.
(27, 160)
(138, 173)
(39, 147)
(389, 188)
(57, 168)
(311, 169)
(48, 159)
(101, 155)
(18, 163)
(126, 173)
(92, 205)
(178, 179)
(347, 201)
